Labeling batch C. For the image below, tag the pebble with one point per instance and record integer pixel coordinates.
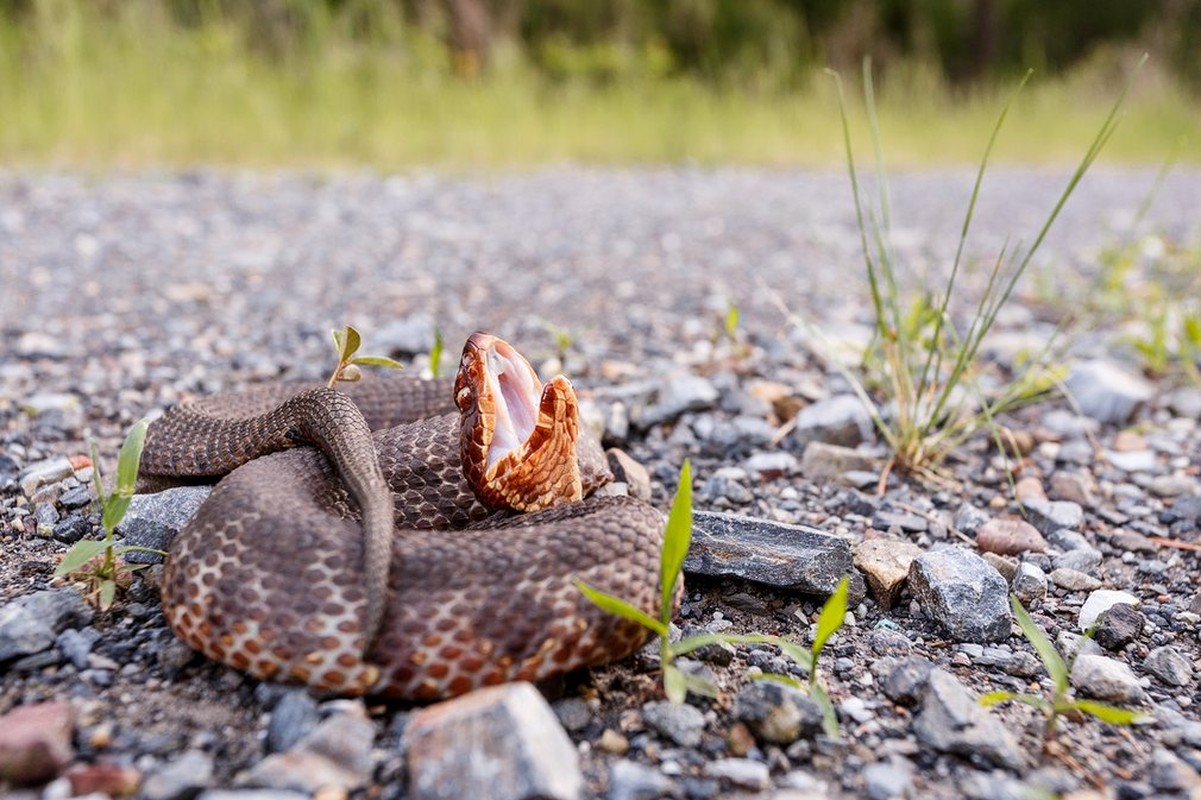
(1105, 679)
(1132, 461)
(906, 681)
(1076, 487)
(1100, 601)
(1107, 392)
(744, 773)
(405, 337)
(153, 520)
(770, 466)
(252, 794)
(1073, 580)
(885, 564)
(951, 721)
(962, 593)
(1009, 536)
(30, 623)
(678, 394)
(839, 420)
(1119, 626)
(502, 742)
(35, 742)
(71, 529)
(1168, 665)
(1052, 515)
(796, 557)
(1029, 488)
(1029, 583)
(76, 645)
(1170, 773)
(1083, 559)
(777, 713)
(43, 472)
(180, 779)
(629, 780)
(293, 717)
(828, 461)
(573, 713)
(888, 780)
(679, 722)
(334, 755)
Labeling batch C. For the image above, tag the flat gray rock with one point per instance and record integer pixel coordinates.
(31, 623)
(794, 557)
(963, 593)
(951, 721)
(1106, 392)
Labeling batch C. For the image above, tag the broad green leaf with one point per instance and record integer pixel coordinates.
(130, 457)
(108, 593)
(833, 614)
(339, 335)
(699, 686)
(80, 553)
(675, 684)
(776, 677)
(1051, 659)
(621, 608)
(436, 354)
(1111, 714)
(829, 716)
(677, 537)
(378, 361)
(115, 506)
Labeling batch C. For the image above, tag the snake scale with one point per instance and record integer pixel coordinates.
(368, 541)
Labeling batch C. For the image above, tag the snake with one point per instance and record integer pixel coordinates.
(399, 537)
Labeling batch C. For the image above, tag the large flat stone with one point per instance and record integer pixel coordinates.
(794, 557)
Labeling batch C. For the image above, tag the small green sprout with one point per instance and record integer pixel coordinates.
(1060, 701)
(733, 316)
(98, 561)
(436, 354)
(346, 343)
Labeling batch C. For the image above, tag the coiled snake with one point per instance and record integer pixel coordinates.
(392, 562)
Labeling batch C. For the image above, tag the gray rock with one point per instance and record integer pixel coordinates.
(1141, 461)
(43, 472)
(502, 742)
(820, 460)
(1073, 580)
(293, 717)
(968, 519)
(887, 780)
(1105, 679)
(1072, 644)
(962, 593)
(841, 420)
(629, 780)
(75, 645)
(1082, 560)
(744, 773)
(76, 498)
(681, 723)
(43, 402)
(770, 465)
(30, 624)
(1106, 392)
(906, 682)
(1185, 402)
(71, 529)
(678, 394)
(181, 779)
(777, 713)
(885, 564)
(153, 520)
(1029, 583)
(1187, 508)
(573, 713)
(335, 754)
(951, 721)
(1067, 539)
(1170, 773)
(795, 557)
(252, 794)
(1168, 665)
(1119, 626)
(1052, 515)
(885, 519)
(1099, 602)
(408, 336)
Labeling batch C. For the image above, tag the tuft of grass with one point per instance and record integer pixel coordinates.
(346, 343)
(98, 562)
(436, 354)
(1060, 702)
(926, 366)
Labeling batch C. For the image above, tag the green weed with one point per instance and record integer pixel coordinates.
(346, 343)
(98, 562)
(1060, 702)
(436, 354)
(923, 364)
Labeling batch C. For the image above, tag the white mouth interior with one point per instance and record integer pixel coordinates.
(516, 395)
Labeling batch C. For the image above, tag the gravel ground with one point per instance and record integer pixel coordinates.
(123, 294)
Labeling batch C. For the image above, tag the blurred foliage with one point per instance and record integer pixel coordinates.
(751, 43)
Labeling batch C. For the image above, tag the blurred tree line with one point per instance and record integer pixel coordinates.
(746, 43)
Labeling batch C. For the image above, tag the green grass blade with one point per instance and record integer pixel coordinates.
(108, 593)
(833, 614)
(130, 457)
(699, 686)
(80, 553)
(775, 677)
(621, 608)
(1051, 658)
(990, 699)
(436, 354)
(675, 684)
(115, 506)
(829, 716)
(677, 537)
(1111, 714)
(137, 548)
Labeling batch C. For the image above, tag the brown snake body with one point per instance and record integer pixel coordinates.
(392, 562)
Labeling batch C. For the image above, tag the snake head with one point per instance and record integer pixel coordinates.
(518, 440)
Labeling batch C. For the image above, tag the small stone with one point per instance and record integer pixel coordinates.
(30, 624)
(770, 466)
(906, 682)
(45, 402)
(951, 721)
(740, 740)
(840, 420)
(1169, 666)
(1106, 679)
(1119, 626)
(682, 724)
(336, 754)
(885, 780)
(1171, 485)
(1073, 644)
(252, 794)
(826, 461)
(502, 742)
(573, 713)
(1052, 515)
(677, 395)
(1084, 559)
(293, 717)
(1029, 583)
(1099, 602)
(885, 519)
(1009, 536)
(1173, 775)
(72, 529)
(885, 564)
(777, 713)
(1006, 566)
(410, 335)
(741, 772)
(1073, 580)
(75, 645)
(1185, 402)
(795, 557)
(962, 593)
(629, 780)
(103, 779)
(1136, 461)
(43, 472)
(180, 779)
(1029, 488)
(1106, 392)
(613, 742)
(35, 742)
(628, 471)
(968, 519)
(1075, 487)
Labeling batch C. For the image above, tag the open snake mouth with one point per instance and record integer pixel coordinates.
(516, 392)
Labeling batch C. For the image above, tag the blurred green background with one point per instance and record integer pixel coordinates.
(464, 84)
